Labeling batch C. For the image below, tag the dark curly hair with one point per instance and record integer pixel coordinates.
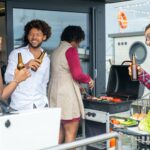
(147, 27)
(38, 24)
(72, 33)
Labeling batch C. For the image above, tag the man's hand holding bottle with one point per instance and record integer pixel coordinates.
(34, 64)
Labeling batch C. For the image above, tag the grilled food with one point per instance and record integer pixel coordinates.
(138, 116)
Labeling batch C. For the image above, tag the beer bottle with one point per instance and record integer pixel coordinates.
(20, 64)
(40, 58)
(134, 72)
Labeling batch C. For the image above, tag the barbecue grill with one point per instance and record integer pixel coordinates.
(121, 86)
(98, 112)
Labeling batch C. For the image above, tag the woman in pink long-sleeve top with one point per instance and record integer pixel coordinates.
(64, 89)
(143, 76)
(75, 67)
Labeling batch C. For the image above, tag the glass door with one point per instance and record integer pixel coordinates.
(58, 20)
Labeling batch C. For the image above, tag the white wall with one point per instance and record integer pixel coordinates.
(138, 16)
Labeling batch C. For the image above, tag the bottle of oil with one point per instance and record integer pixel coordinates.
(40, 58)
(134, 72)
(20, 64)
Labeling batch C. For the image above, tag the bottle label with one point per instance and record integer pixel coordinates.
(134, 72)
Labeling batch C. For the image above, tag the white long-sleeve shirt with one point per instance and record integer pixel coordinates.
(32, 91)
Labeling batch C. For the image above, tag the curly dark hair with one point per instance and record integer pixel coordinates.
(38, 24)
(147, 27)
(72, 33)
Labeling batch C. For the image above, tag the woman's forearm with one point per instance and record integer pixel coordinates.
(7, 90)
(20, 75)
(144, 78)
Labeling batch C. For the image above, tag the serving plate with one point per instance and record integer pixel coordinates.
(121, 122)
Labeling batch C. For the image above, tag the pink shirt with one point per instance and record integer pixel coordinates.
(144, 78)
(75, 67)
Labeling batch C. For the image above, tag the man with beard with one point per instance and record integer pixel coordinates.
(31, 93)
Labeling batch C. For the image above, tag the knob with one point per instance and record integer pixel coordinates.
(7, 124)
(88, 114)
(93, 114)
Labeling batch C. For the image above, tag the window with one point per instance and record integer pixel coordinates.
(58, 21)
(139, 49)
